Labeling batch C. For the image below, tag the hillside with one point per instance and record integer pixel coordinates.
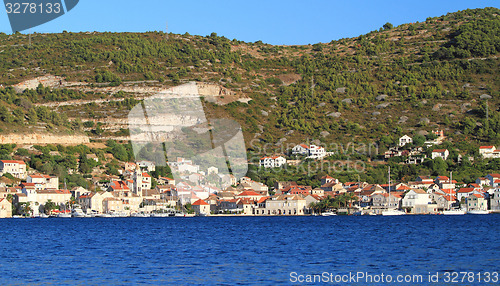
(410, 79)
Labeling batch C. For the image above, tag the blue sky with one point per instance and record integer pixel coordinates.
(275, 22)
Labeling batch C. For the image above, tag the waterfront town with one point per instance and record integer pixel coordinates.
(136, 193)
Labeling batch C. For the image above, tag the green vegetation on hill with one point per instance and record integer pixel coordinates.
(410, 79)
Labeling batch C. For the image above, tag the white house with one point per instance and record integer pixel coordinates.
(316, 152)
(301, 149)
(483, 181)
(405, 140)
(312, 151)
(201, 207)
(212, 170)
(148, 166)
(5, 208)
(476, 202)
(272, 162)
(45, 181)
(465, 192)
(13, 167)
(493, 179)
(417, 200)
(489, 152)
(188, 168)
(443, 153)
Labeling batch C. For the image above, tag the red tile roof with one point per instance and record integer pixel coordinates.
(442, 178)
(403, 188)
(13, 162)
(450, 198)
(263, 199)
(200, 202)
(248, 194)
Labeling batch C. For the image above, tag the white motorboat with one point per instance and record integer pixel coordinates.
(454, 212)
(159, 215)
(478, 212)
(328, 214)
(139, 215)
(78, 212)
(119, 214)
(64, 215)
(392, 212)
(184, 215)
(103, 215)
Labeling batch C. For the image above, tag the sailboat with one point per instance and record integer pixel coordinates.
(388, 211)
(451, 211)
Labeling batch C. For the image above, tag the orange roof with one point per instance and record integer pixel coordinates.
(13, 161)
(486, 147)
(245, 201)
(477, 195)
(146, 175)
(38, 176)
(119, 185)
(495, 175)
(200, 202)
(466, 190)
(450, 198)
(229, 201)
(439, 150)
(248, 193)
(442, 178)
(28, 184)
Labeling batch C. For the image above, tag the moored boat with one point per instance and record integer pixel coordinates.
(64, 215)
(328, 214)
(454, 212)
(478, 212)
(392, 212)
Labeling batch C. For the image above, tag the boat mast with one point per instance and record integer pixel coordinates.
(389, 196)
(451, 182)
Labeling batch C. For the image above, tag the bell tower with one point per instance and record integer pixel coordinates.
(137, 181)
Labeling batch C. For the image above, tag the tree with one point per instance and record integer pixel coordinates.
(120, 152)
(387, 26)
(439, 166)
(25, 209)
(418, 140)
(5, 114)
(49, 206)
